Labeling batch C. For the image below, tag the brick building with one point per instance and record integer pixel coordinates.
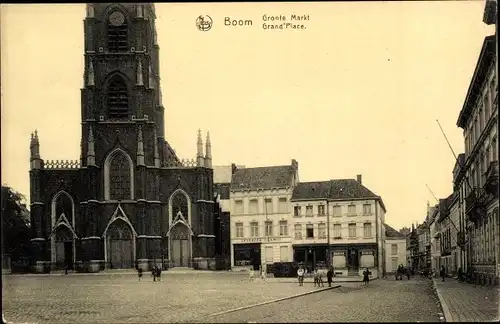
(129, 200)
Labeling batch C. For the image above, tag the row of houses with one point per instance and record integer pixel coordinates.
(273, 217)
(462, 230)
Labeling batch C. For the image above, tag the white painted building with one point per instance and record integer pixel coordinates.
(344, 214)
(395, 249)
(260, 218)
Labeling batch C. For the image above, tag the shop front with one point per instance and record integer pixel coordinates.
(310, 255)
(353, 259)
(246, 256)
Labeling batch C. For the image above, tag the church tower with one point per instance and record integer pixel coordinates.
(121, 97)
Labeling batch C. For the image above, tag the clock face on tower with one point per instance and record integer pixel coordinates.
(116, 18)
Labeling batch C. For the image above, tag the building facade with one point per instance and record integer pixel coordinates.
(434, 237)
(260, 217)
(395, 249)
(424, 248)
(478, 180)
(448, 221)
(412, 245)
(340, 216)
(129, 201)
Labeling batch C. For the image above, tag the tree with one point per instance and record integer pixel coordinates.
(15, 223)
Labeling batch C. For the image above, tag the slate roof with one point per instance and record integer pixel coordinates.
(333, 189)
(222, 189)
(263, 177)
(339, 189)
(390, 232)
(311, 190)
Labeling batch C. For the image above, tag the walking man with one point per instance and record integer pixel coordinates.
(300, 274)
(329, 276)
(443, 273)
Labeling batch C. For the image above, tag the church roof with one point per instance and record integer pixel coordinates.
(263, 177)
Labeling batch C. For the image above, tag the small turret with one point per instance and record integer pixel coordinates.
(156, 155)
(208, 152)
(140, 148)
(90, 74)
(90, 148)
(35, 160)
(90, 10)
(199, 156)
(139, 82)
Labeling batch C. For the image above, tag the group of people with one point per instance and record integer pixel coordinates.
(155, 272)
(318, 276)
(402, 271)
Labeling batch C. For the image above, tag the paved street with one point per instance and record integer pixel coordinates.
(467, 302)
(121, 298)
(381, 301)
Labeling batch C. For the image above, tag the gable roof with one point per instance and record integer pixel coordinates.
(339, 189)
(263, 177)
(391, 233)
(311, 190)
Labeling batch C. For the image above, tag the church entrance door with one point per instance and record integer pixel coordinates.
(64, 248)
(120, 246)
(180, 250)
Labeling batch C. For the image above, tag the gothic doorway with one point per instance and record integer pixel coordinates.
(64, 247)
(180, 250)
(120, 246)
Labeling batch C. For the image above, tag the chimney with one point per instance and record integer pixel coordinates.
(358, 178)
(233, 168)
(295, 164)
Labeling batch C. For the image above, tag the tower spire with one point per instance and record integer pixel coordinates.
(90, 148)
(140, 147)
(208, 152)
(199, 156)
(35, 151)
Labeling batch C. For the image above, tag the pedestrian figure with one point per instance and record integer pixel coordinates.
(263, 275)
(139, 273)
(153, 272)
(300, 274)
(460, 274)
(158, 272)
(329, 276)
(318, 279)
(366, 277)
(443, 273)
(408, 273)
(66, 269)
(251, 274)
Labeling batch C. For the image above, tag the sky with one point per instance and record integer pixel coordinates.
(356, 92)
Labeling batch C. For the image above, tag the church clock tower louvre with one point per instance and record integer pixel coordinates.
(129, 201)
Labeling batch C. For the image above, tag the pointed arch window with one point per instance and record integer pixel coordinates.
(119, 177)
(117, 32)
(117, 98)
(64, 205)
(180, 203)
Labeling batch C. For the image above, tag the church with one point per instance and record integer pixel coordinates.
(129, 201)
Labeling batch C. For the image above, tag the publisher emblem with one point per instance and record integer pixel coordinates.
(204, 22)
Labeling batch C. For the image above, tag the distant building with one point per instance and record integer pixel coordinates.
(395, 249)
(478, 181)
(412, 255)
(260, 218)
(423, 260)
(448, 222)
(356, 217)
(435, 237)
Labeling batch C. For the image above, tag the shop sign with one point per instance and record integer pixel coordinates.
(366, 252)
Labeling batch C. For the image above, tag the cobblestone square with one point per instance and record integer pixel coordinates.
(122, 298)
